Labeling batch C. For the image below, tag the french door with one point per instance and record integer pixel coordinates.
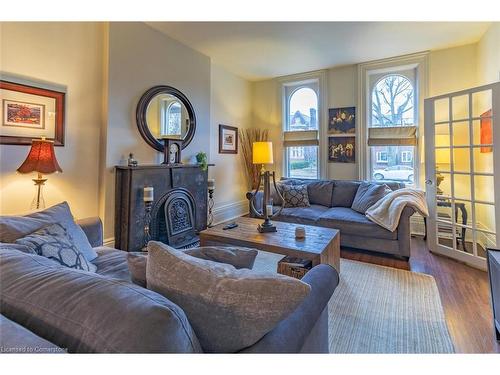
(462, 163)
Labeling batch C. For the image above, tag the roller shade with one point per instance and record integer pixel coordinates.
(393, 136)
(301, 138)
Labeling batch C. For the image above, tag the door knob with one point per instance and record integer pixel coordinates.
(428, 182)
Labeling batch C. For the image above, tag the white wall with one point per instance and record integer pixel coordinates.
(140, 58)
(230, 105)
(68, 54)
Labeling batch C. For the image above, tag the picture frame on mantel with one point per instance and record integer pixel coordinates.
(228, 139)
(31, 111)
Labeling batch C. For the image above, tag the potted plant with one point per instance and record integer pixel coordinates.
(201, 159)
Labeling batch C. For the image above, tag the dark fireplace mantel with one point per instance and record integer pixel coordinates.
(184, 186)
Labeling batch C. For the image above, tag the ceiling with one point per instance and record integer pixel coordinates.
(260, 50)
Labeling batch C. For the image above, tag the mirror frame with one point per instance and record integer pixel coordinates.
(142, 108)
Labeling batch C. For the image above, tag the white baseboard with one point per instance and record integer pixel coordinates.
(230, 211)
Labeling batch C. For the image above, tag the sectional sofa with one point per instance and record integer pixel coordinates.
(330, 206)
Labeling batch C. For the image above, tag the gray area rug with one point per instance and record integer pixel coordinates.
(379, 309)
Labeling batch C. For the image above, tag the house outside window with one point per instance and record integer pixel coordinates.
(301, 128)
(392, 106)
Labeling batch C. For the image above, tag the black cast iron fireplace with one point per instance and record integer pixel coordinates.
(173, 219)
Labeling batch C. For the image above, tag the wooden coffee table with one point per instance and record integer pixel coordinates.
(321, 245)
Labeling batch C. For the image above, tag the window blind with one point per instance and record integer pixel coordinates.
(393, 136)
(300, 138)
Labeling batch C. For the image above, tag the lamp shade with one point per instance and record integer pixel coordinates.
(262, 153)
(41, 158)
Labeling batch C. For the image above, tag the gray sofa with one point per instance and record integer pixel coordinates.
(46, 307)
(331, 202)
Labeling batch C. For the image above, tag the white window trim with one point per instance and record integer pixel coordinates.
(321, 77)
(420, 61)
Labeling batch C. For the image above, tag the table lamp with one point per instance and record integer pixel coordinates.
(41, 159)
(262, 153)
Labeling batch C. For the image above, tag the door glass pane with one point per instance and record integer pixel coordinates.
(463, 212)
(483, 241)
(443, 160)
(483, 161)
(445, 235)
(441, 110)
(485, 217)
(462, 186)
(442, 135)
(481, 103)
(443, 182)
(461, 159)
(484, 188)
(460, 108)
(444, 210)
(461, 133)
(483, 132)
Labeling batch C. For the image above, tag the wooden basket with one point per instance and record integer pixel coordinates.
(294, 267)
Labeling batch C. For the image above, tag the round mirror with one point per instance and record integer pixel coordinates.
(165, 112)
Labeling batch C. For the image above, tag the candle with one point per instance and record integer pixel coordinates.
(148, 194)
(300, 232)
(211, 184)
(269, 209)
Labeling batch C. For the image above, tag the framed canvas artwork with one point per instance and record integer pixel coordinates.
(342, 121)
(228, 139)
(341, 149)
(29, 112)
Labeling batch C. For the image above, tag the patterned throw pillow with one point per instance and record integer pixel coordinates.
(53, 242)
(295, 195)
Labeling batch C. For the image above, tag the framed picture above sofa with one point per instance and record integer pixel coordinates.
(341, 149)
(30, 111)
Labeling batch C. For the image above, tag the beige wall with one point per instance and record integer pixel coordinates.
(230, 105)
(488, 55)
(68, 54)
(449, 70)
(140, 58)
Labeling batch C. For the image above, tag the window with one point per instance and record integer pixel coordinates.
(171, 118)
(406, 156)
(381, 157)
(393, 106)
(301, 130)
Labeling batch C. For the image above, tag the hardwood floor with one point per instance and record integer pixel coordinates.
(464, 294)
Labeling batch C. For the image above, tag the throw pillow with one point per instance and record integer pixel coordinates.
(368, 194)
(137, 262)
(295, 195)
(53, 242)
(229, 309)
(238, 257)
(14, 227)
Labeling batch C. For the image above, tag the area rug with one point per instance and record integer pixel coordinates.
(379, 309)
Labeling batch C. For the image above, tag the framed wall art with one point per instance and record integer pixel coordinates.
(228, 139)
(342, 121)
(342, 149)
(29, 112)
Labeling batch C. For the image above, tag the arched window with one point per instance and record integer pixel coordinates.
(171, 118)
(301, 126)
(393, 104)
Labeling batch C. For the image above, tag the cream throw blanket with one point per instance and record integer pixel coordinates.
(387, 211)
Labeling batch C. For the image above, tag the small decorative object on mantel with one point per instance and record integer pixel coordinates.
(201, 159)
(228, 139)
(294, 267)
(29, 111)
(172, 151)
(211, 188)
(41, 159)
(131, 162)
(148, 204)
(263, 154)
